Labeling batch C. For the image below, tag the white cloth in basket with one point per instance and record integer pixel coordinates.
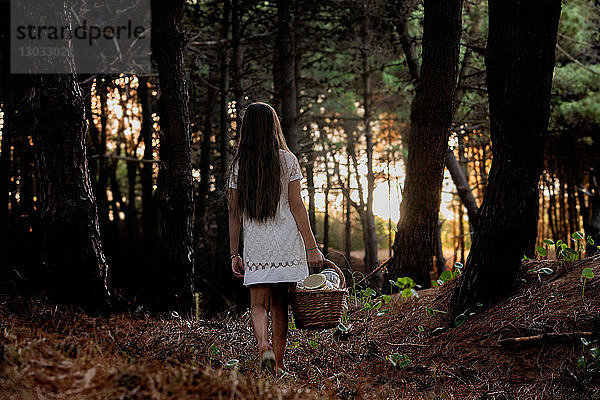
(274, 250)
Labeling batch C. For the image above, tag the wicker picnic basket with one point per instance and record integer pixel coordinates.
(320, 308)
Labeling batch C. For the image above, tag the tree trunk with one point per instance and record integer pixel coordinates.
(287, 88)
(591, 213)
(462, 187)
(100, 189)
(72, 249)
(132, 217)
(146, 173)
(225, 126)
(174, 187)
(73, 261)
(326, 224)
(6, 99)
(347, 219)
(310, 183)
(205, 162)
(431, 116)
(236, 60)
(224, 86)
(519, 61)
(370, 234)
(440, 260)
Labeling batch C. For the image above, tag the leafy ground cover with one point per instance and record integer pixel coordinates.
(541, 342)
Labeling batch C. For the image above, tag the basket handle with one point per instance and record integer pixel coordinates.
(330, 264)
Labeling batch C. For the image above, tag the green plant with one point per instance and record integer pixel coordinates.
(587, 273)
(448, 275)
(431, 312)
(406, 287)
(540, 271)
(398, 360)
(370, 301)
(562, 250)
(342, 328)
(592, 362)
(213, 351)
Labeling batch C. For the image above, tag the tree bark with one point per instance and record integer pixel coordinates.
(100, 189)
(132, 212)
(464, 191)
(287, 82)
(72, 249)
(224, 86)
(174, 187)
(591, 213)
(225, 127)
(6, 100)
(72, 256)
(205, 162)
(369, 230)
(347, 218)
(519, 61)
(146, 173)
(236, 60)
(431, 116)
(310, 183)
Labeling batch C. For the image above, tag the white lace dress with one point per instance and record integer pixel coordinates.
(274, 250)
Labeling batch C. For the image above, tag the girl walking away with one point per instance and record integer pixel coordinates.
(279, 245)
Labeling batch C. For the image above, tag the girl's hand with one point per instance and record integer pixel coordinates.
(237, 266)
(315, 258)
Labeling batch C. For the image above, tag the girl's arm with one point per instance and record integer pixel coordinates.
(298, 209)
(235, 223)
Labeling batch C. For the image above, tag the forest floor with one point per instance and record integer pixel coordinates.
(57, 352)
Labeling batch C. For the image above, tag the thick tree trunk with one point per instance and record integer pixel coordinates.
(431, 116)
(73, 261)
(287, 82)
(520, 60)
(174, 188)
(72, 249)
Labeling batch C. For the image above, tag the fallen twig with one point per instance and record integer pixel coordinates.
(407, 344)
(551, 336)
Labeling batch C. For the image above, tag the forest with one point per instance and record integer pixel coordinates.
(450, 154)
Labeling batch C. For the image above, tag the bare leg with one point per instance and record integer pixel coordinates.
(279, 315)
(259, 305)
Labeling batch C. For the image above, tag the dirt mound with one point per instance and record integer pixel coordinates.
(57, 352)
(478, 358)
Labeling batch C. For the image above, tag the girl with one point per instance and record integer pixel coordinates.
(264, 193)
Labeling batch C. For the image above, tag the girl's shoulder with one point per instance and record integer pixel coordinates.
(288, 156)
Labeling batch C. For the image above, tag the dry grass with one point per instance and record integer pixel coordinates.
(56, 352)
